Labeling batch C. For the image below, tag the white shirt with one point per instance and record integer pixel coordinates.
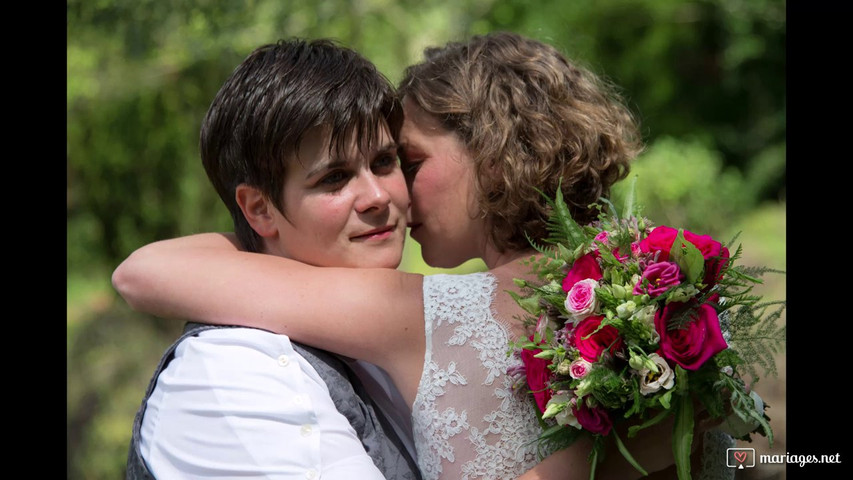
(240, 402)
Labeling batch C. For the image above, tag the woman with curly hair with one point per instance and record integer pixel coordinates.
(489, 124)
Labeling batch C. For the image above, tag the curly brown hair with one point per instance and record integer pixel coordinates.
(531, 120)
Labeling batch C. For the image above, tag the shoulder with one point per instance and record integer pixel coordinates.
(225, 394)
(234, 372)
(233, 340)
(240, 357)
(455, 296)
(458, 284)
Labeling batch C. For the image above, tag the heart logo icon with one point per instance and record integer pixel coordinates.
(740, 456)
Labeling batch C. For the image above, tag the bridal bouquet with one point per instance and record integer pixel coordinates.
(636, 322)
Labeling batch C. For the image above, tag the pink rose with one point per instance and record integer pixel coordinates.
(581, 301)
(582, 268)
(579, 368)
(591, 347)
(595, 419)
(538, 375)
(693, 345)
(658, 278)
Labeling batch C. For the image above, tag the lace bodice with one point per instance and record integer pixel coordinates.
(468, 422)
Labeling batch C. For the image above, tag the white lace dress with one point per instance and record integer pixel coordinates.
(468, 423)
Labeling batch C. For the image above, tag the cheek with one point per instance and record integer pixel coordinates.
(442, 185)
(424, 187)
(327, 218)
(397, 189)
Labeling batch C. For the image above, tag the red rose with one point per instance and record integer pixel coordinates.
(715, 254)
(582, 268)
(595, 419)
(591, 347)
(693, 345)
(659, 240)
(536, 370)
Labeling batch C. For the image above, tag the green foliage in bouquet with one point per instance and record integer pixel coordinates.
(636, 323)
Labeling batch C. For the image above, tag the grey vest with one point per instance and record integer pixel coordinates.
(376, 434)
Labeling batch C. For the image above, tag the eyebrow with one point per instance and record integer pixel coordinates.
(403, 147)
(339, 163)
(326, 166)
(387, 148)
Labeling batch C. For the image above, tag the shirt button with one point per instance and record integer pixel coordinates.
(305, 430)
(283, 360)
(310, 474)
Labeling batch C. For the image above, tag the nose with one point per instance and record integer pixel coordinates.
(372, 194)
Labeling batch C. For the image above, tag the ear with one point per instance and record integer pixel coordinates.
(258, 210)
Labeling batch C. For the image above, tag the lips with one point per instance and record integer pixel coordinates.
(381, 232)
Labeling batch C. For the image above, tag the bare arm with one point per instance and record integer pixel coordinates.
(372, 314)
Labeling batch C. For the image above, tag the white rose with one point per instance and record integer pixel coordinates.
(579, 368)
(651, 382)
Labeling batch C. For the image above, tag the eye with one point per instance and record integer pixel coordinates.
(384, 164)
(411, 167)
(334, 178)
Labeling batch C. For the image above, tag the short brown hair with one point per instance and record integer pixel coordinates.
(530, 118)
(272, 99)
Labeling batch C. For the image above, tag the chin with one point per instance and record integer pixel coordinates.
(392, 262)
(389, 260)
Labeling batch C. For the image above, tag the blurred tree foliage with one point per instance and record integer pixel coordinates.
(706, 78)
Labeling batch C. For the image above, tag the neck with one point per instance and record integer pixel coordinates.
(272, 248)
(494, 258)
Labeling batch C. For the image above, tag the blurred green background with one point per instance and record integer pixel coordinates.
(706, 78)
